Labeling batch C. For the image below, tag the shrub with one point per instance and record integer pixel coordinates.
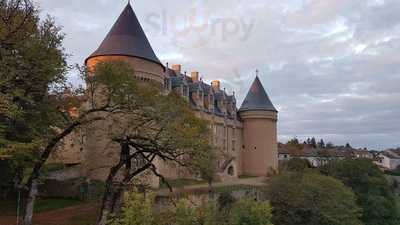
(312, 199)
(374, 193)
(250, 212)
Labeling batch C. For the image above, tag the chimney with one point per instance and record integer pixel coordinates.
(195, 76)
(215, 84)
(177, 68)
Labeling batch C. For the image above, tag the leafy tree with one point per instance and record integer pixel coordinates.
(311, 198)
(137, 210)
(34, 109)
(321, 143)
(205, 164)
(294, 142)
(32, 61)
(373, 191)
(313, 142)
(155, 127)
(297, 165)
(250, 212)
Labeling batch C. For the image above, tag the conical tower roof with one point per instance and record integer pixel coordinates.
(127, 38)
(257, 99)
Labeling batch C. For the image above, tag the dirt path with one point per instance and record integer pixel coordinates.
(76, 215)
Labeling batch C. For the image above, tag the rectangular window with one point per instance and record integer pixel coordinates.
(233, 145)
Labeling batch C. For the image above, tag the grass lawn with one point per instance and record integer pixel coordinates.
(9, 207)
(177, 183)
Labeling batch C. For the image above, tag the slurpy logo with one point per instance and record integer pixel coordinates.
(196, 28)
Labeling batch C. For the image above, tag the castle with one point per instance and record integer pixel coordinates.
(247, 136)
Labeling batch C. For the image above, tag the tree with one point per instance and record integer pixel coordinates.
(321, 143)
(297, 165)
(150, 127)
(250, 212)
(205, 164)
(294, 142)
(32, 64)
(313, 142)
(373, 191)
(311, 198)
(137, 210)
(32, 61)
(34, 109)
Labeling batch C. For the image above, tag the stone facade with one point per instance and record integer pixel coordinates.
(247, 137)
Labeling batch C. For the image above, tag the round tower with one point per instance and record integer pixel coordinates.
(259, 118)
(127, 42)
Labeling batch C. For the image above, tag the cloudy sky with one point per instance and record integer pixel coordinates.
(331, 67)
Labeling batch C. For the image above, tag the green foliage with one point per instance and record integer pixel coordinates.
(373, 191)
(137, 210)
(209, 214)
(225, 200)
(32, 64)
(250, 212)
(205, 163)
(185, 214)
(311, 198)
(296, 165)
(294, 142)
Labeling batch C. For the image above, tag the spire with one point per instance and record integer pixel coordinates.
(257, 98)
(127, 38)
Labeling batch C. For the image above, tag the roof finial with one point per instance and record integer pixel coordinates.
(257, 72)
(129, 2)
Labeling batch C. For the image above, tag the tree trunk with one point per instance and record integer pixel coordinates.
(105, 207)
(29, 203)
(210, 193)
(111, 204)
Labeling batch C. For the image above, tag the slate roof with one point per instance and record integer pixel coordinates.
(127, 38)
(257, 99)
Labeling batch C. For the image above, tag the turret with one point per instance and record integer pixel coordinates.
(127, 42)
(259, 117)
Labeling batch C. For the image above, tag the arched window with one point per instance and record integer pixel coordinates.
(231, 171)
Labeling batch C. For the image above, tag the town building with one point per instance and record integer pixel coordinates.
(317, 156)
(388, 159)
